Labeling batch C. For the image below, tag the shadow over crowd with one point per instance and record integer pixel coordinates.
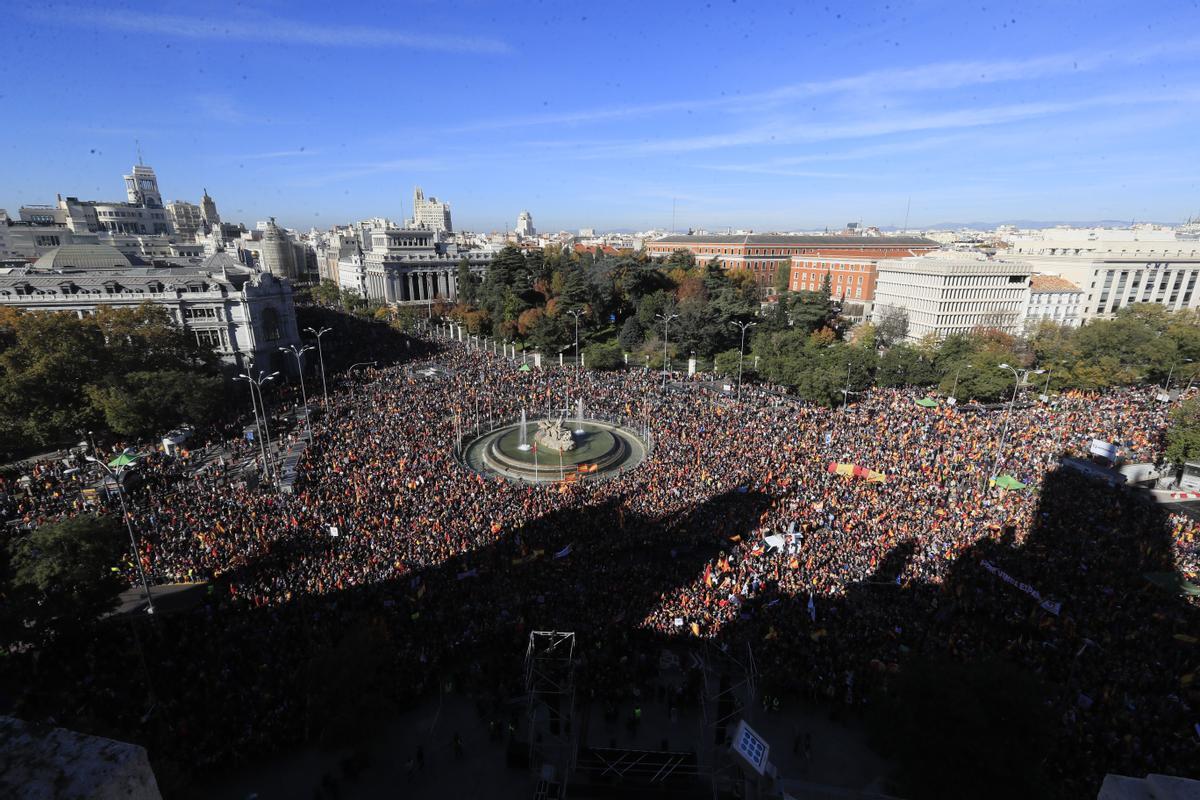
(437, 573)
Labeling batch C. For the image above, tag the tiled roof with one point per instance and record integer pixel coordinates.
(1051, 283)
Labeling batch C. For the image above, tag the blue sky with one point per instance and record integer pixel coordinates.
(601, 114)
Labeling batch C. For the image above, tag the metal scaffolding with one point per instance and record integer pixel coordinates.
(730, 689)
(550, 684)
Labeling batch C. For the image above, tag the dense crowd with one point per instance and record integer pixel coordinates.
(388, 544)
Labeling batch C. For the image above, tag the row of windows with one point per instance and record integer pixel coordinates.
(1119, 294)
(836, 265)
(217, 337)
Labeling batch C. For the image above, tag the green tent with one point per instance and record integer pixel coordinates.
(1008, 482)
(123, 460)
(1173, 582)
(523, 368)
(927, 402)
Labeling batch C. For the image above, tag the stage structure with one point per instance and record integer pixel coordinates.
(730, 689)
(553, 733)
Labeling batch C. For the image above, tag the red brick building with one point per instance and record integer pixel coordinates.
(851, 279)
(762, 253)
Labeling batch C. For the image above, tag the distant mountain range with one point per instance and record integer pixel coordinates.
(1029, 223)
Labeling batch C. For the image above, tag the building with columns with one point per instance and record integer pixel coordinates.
(1116, 267)
(409, 266)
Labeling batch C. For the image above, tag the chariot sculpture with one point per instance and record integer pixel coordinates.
(553, 435)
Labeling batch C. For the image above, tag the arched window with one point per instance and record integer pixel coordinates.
(270, 321)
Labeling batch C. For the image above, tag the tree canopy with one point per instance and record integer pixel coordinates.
(64, 574)
(130, 369)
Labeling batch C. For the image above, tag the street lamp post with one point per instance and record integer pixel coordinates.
(954, 389)
(264, 439)
(742, 352)
(1167, 388)
(666, 318)
(1021, 376)
(576, 313)
(351, 367)
(129, 527)
(846, 391)
(321, 355)
(299, 352)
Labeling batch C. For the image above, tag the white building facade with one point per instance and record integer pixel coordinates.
(430, 214)
(946, 293)
(525, 229)
(1114, 268)
(409, 266)
(1053, 299)
(242, 314)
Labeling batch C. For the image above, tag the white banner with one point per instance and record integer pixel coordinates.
(1049, 605)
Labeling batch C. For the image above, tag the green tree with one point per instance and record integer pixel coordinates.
(632, 334)
(905, 365)
(45, 361)
(681, 259)
(604, 355)
(809, 311)
(1183, 437)
(467, 287)
(351, 299)
(783, 277)
(327, 293)
(892, 326)
(63, 574)
(726, 363)
(143, 404)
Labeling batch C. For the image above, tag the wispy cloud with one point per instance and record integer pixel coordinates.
(790, 131)
(221, 108)
(360, 170)
(267, 29)
(301, 152)
(939, 76)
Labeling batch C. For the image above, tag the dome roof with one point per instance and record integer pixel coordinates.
(83, 256)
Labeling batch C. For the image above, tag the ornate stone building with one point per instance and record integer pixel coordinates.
(243, 314)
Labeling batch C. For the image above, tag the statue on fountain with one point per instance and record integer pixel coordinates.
(553, 435)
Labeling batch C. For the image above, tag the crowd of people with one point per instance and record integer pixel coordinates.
(394, 568)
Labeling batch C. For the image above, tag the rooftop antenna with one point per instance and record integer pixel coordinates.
(138, 145)
(907, 208)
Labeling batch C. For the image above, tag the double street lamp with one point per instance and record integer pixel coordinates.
(299, 352)
(264, 441)
(129, 527)
(742, 352)
(321, 355)
(1021, 376)
(576, 313)
(666, 318)
(350, 368)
